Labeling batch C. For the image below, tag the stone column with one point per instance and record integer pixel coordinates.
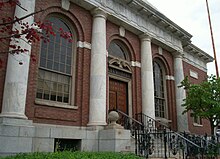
(16, 80)
(182, 120)
(147, 80)
(97, 109)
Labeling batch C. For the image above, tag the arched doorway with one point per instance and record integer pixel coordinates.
(119, 70)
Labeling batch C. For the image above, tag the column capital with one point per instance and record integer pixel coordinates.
(98, 12)
(145, 37)
(178, 54)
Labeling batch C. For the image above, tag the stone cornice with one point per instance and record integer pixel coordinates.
(152, 13)
(141, 17)
(197, 52)
(137, 20)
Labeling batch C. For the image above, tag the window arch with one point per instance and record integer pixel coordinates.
(117, 49)
(159, 90)
(55, 72)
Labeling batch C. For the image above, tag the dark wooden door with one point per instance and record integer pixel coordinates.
(118, 95)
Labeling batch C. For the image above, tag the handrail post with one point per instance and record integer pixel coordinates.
(165, 143)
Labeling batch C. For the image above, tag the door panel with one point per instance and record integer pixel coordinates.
(118, 95)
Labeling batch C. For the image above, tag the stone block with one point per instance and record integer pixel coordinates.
(89, 145)
(66, 132)
(8, 130)
(26, 131)
(13, 145)
(116, 140)
(107, 145)
(114, 134)
(43, 145)
(92, 135)
(42, 131)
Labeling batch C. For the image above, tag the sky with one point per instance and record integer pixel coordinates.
(192, 16)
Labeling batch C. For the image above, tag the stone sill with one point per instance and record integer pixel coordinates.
(55, 104)
(197, 125)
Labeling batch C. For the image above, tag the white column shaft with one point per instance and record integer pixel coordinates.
(15, 89)
(97, 110)
(182, 120)
(147, 81)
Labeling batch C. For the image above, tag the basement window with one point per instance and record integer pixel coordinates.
(67, 145)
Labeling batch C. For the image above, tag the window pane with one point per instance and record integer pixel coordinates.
(53, 96)
(39, 93)
(56, 57)
(68, 60)
(59, 97)
(46, 85)
(116, 50)
(60, 88)
(46, 95)
(62, 68)
(43, 52)
(68, 69)
(50, 56)
(57, 47)
(56, 66)
(63, 59)
(40, 83)
(66, 88)
(42, 62)
(49, 64)
(66, 98)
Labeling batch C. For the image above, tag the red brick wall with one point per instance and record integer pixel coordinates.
(205, 128)
(82, 22)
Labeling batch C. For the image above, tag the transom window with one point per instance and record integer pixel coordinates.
(159, 91)
(55, 74)
(117, 50)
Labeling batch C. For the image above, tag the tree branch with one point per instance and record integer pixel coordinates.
(22, 18)
(11, 36)
(19, 5)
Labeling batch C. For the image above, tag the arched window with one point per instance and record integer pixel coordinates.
(159, 94)
(116, 49)
(55, 68)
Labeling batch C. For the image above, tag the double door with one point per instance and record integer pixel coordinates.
(118, 95)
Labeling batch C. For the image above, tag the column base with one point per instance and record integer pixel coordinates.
(15, 121)
(13, 115)
(96, 125)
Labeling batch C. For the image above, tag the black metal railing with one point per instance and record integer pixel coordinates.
(156, 139)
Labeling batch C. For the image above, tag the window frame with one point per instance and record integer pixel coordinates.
(70, 104)
(161, 66)
(197, 121)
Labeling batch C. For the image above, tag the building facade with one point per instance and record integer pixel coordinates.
(125, 55)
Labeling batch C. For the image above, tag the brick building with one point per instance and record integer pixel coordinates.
(125, 55)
